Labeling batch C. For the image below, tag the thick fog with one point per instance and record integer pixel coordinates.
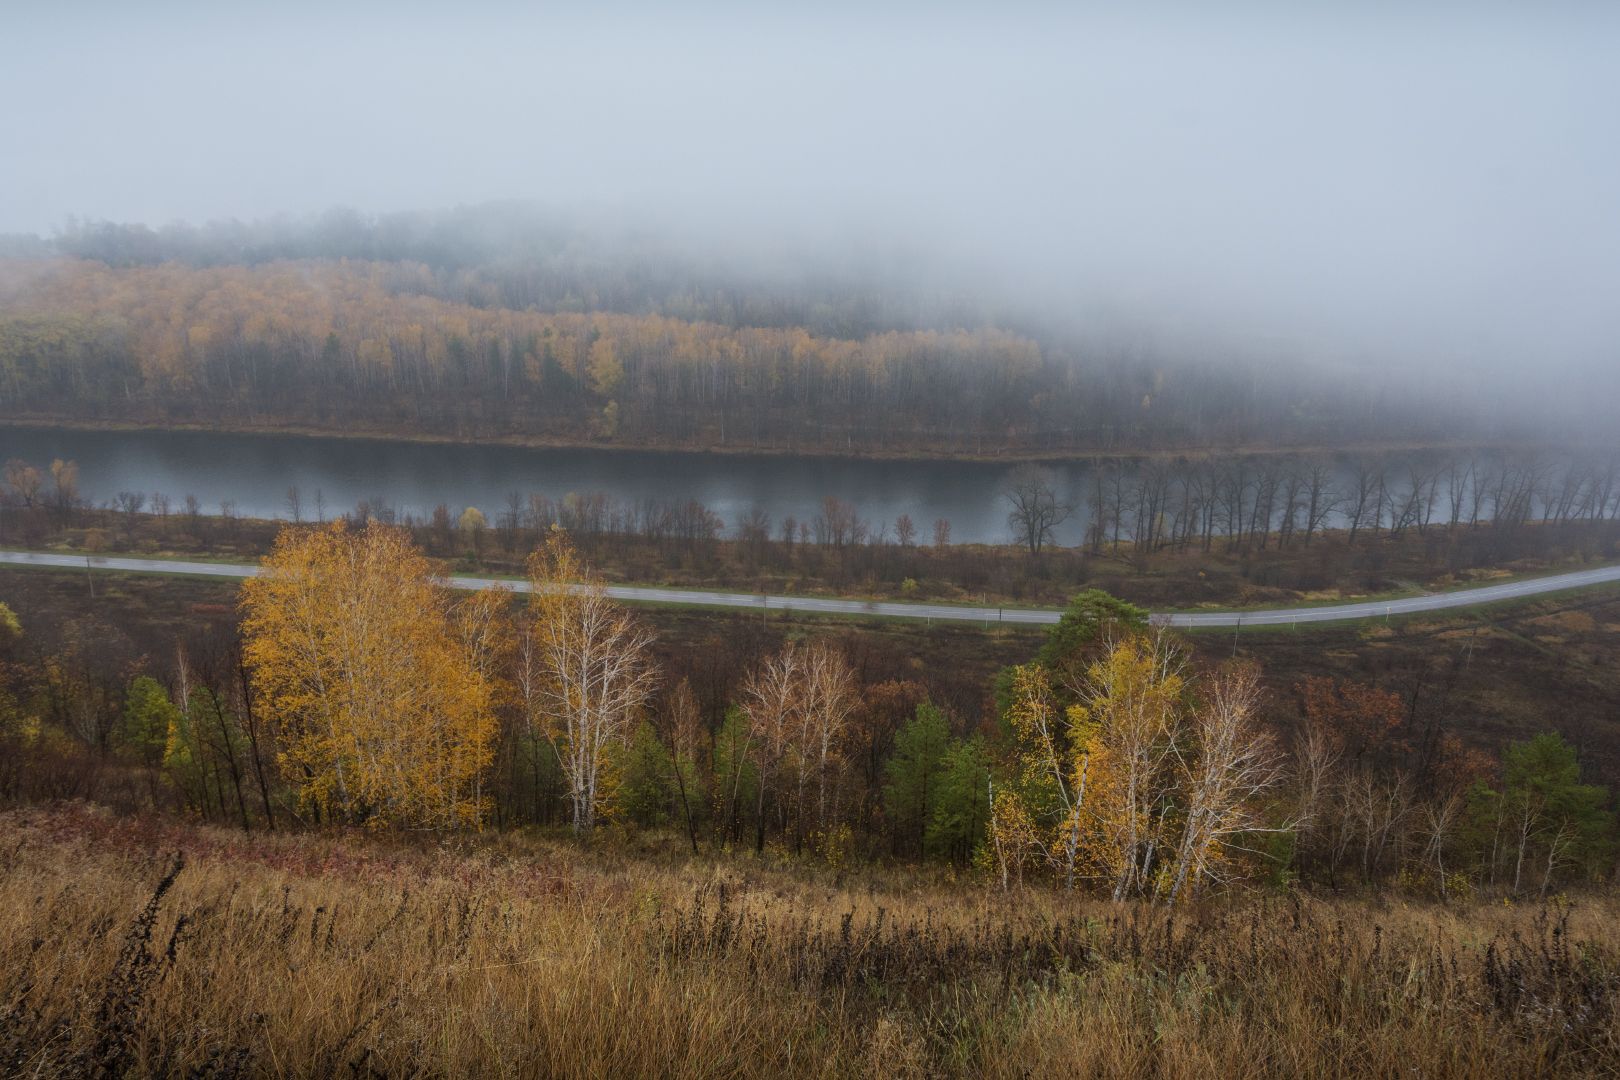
(1439, 190)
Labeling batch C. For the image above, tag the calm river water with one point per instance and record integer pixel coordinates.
(255, 472)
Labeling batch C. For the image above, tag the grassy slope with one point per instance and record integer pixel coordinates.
(327, 955)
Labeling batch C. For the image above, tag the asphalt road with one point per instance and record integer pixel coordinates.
(1487, 594)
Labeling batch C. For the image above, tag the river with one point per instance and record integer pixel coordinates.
(256, 471)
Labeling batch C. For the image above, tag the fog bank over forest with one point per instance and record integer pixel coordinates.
(1425, 196)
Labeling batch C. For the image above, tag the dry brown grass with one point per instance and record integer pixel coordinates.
(319, 956)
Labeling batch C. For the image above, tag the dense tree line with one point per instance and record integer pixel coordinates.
(361, 691)
(1300, 522)
(339, 345)
(1244, 503)
(1234, 504)
(1120, 775)
(526, 257)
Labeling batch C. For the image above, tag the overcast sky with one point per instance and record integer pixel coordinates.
(1442, 186)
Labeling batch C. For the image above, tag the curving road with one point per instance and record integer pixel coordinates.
(1378, 609)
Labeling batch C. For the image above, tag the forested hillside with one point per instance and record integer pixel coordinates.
(400, 332)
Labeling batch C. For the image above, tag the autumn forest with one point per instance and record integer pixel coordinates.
(889, 541)
(409, 347)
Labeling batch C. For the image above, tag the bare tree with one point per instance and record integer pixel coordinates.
(829, 700)
(1036, 512)
(1116, 504)
(194, 517)
(1375, 812)
(1458, 479)
(24, 480)
(585, 670)
(1320, 498)
(1604, 488)
(1097, 498)
(512, 521)
(798, 704)
(754, 535)
(905, 531)
(1265, 496)
(770, 700)
(1235, 765)
(130, 504)
(684, 731)
(1293, 487)
(1206, 499)
(64, 488)
(1438, 819)
(1316, 764)
(838, 525)
(1232, 490)
(1365, 499)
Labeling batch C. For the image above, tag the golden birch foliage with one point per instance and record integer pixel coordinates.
(1142, 785)
(1134, 699)
(481, 624)
(1036, 721)
(1101, 829)
(1055, 748)
(379, 685)
(1014, 838)
(604, 371)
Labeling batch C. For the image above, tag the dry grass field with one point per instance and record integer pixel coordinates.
(154, 947)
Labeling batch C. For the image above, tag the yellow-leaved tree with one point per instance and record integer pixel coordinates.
(1134, 699)
(1149, 783)
(379, 681)
(1053, 763)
